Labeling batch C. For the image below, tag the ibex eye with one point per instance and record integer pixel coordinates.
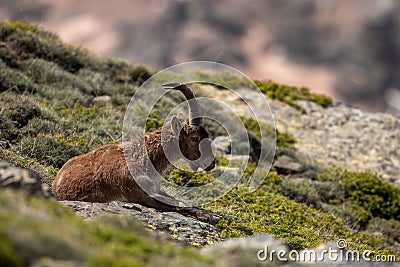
(194, 139)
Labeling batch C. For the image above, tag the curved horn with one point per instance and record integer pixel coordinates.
(195, 113)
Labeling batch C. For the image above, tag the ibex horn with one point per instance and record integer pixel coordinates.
(195, 113)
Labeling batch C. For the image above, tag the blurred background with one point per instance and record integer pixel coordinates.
(349, 50)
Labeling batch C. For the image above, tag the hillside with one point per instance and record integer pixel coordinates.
(335, 176)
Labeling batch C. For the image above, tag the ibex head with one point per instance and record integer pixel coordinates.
(194, 142)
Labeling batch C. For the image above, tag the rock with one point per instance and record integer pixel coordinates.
(223, 144)
(183, 229)
(349, 138)
(101, 99)
(247, 251)
(239, 158)
(308, 174)
(339, 135)
(337, 254)
(131, 206)
(21, 179)
(287, 165)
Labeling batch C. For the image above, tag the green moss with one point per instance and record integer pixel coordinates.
(289, 94)
(266, 211)
(35, 228)
(221, 160)
(31, 42)
(79, 112)
(284, 139)
(153, 122)
(15, 114)
(8, 57)
(43, 45)
(225, 79)
(121, 71)
(366, 190)
(21, 25)
(8, 253)
(363, 200)
(189, 178)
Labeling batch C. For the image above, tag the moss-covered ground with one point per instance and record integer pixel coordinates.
(34, 228)
(49, 113)
(338, 205)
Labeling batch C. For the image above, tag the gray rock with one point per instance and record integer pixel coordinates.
(340, 135)
(330, 254)
(287, 165)
(183, 229)
(101, 99)
(247, 251)
(223, 144)
(21, 179)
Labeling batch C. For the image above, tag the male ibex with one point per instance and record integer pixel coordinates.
(103, 175)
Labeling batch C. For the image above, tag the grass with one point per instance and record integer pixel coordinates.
(48, 114)
(34, 228)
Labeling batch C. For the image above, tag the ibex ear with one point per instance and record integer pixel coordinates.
(181, 116)
(176, 125)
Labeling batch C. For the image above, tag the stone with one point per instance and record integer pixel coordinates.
(222, 144)
(101, 99)
(183, 229)
(247, 251)
(24, 180)
(287, 165)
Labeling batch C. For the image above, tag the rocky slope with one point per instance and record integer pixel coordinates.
(58, 101)
(338, 135)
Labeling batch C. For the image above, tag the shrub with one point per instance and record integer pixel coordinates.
(11, 79)
(366, 190)
(15, 114)
(389, 229)
(355, 197)
(53, 150)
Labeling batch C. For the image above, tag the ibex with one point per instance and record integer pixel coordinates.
(103, 175)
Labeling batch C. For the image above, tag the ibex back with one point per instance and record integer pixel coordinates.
(102, 175)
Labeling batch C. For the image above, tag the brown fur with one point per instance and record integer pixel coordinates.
(102, 175)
